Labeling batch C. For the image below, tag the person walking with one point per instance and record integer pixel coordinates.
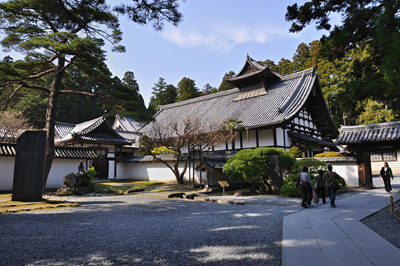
(386, 174)
(320, 186)
(331, 180)
(306, 187)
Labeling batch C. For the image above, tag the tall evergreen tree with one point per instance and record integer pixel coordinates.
(370, 29)
(56, 34)
(208, 89)
(187, 90)
(126, 94)
(163, 93)
(225, 85)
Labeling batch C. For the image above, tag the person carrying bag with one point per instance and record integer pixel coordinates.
(306, 187)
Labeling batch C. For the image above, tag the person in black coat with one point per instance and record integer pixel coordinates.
(386, 174)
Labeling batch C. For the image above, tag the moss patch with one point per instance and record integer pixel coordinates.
(122, 187)
(9, 206)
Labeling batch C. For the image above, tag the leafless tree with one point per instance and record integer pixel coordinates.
(12, 124)
(181, 138)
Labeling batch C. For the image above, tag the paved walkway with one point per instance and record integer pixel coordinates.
(335, 236)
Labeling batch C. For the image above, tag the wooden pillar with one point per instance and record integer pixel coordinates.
(208, 178)
(364, 169)
(257, 140)
(241, 139)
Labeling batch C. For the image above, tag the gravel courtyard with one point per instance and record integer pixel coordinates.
(143, 230)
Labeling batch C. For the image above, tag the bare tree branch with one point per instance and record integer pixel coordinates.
(12, 95)
(99, 95)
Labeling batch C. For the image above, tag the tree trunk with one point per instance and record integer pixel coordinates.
(51, 118)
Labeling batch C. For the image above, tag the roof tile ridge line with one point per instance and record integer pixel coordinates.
(248, 58)
(294, 75)
(304, 99)
(198, 99)
(301, 97)
(96, 123)
(371, 126)
(290, 99)
(64, 123)
(256, 64)
(120, 121)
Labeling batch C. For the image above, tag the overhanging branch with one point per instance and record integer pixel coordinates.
(99, 95)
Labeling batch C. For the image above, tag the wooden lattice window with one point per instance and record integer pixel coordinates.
(384, 157)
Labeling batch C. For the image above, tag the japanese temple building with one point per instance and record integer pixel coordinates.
(276, 111)
(99, 134)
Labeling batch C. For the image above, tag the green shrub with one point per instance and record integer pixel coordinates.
(313, 166)
(91, 173)
(328, 154)
(289, 190)
(295, 151)
(342, 182)
(292, 178)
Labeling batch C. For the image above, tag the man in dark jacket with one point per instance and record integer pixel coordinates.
(331, 179)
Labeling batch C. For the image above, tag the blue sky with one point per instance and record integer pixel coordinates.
(214, 38)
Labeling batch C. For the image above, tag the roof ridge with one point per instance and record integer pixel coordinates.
(371, 126)
(307, 71)
(92, 124)
(199, 99)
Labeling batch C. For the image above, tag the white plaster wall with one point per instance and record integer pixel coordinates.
(59, 169)
(346, 167)
(288, 139)
(266, 137)
(121, 170)
(280, 137)
(6, 172)
(221, 147)
(111, 169)
(252, 139)
(349, 172)
(155, 171)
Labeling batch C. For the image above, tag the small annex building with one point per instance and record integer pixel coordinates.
(99, 134)
(374, 144)
(276, 111)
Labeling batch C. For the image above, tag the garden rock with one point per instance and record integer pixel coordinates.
(176, 195)
(70, 180)
(240, 193)
(84, 190)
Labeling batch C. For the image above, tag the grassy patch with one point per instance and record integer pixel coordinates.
(122, 187)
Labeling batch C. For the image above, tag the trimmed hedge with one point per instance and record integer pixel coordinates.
(329, 154)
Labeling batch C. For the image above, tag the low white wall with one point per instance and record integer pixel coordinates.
(346, 167)
(59, 169)
(6, 172)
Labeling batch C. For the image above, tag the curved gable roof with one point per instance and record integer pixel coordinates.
(250, 71)
(95, 130)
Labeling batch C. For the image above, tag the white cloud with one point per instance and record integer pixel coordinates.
(222, 38)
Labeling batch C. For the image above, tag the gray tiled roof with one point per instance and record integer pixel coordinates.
(310, 139)
(96, 130)
(258, 69)
(126, 124)
(382, 132)
(282, 101)
(211, 163)
(8, 149)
